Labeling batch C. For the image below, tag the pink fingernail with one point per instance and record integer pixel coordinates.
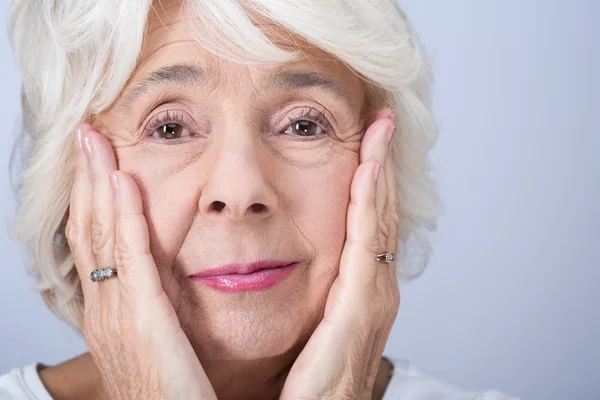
(376, 172)
(114, 182)
(79, 139)
(88, 145)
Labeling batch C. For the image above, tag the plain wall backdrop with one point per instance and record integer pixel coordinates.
(511, 298)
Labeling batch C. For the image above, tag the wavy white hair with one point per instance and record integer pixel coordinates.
(75, 57)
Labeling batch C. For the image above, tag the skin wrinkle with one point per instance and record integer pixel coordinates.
(181, 74)
(251, 338)
(184, 75)
(164, 12)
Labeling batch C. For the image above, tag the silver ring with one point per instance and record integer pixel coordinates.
(102, 274)
(386, 257)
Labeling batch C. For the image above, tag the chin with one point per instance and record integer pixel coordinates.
(250, 328)
(251, 325)
(252, 336)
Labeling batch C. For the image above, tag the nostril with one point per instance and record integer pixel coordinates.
(257, 207)
(218, 206)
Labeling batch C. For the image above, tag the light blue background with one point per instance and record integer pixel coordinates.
(511, 299)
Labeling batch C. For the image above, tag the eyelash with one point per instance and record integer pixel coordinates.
(164, 118)
(177, 117)
(318, 118)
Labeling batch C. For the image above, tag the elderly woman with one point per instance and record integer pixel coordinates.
(220, 195)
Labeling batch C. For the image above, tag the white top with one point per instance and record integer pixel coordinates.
(407, 383)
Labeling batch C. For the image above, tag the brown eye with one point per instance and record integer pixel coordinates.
(304, 128)
(170, 131)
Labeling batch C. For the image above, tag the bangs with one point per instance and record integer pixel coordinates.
(241, 32)
(273, 32)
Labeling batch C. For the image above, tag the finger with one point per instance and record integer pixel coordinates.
(357, 263)
(376, 146)
(102, 162)
(388, 113)
(376, 140)
(79, 224)
(392, 210)
(134, 261)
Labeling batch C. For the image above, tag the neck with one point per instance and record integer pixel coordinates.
(262, 379)
(256, 379)
(78, 378)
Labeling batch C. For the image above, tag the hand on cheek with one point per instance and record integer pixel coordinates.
(342, 356)
(130, 326)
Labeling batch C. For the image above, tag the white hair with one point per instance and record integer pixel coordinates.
(75, 57)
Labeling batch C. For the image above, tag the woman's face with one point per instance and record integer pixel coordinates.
(235, 165)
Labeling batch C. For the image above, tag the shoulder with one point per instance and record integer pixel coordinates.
(410, 383)
(23, 383)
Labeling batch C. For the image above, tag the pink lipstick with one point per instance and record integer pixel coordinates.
(259, 275)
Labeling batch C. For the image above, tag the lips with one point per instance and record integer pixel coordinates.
(240, 268)
(254, 276)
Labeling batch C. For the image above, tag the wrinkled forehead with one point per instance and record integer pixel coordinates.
(178, 33)
(230, 29)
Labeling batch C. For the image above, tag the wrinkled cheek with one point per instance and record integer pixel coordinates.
(323, 220)
(169, 196)
(321, 202)
(313, 153)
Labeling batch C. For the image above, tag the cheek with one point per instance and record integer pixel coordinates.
(318, 202)
(169, 196)
(314, 196)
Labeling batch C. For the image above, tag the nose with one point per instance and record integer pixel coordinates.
(237, 187)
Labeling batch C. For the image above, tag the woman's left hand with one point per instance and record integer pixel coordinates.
(341, 358)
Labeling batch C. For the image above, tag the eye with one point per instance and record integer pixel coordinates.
(170, 131)
(304, 128)
(310, 124)
(169, 126)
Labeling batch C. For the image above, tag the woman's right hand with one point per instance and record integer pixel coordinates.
(130, 327)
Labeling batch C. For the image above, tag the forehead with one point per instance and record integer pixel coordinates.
(170, 41)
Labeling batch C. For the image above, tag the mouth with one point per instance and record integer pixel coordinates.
(255, 276)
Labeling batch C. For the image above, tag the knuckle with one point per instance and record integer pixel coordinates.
(366, 244)
(384, 229)
(386, 216)
(101, 238)
(72, 232)
(123, 255)
(372, 244)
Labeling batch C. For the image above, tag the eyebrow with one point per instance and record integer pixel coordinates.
(193, 75)
(178, 74)
(284, 79)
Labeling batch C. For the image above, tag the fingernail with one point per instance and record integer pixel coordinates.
(79, 139)
(376, 172)
(88, 145)
(114, 182)
(390, 133)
